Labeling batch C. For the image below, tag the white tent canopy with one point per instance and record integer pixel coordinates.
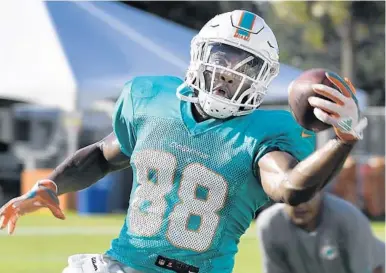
(33, 66)
(70, 54)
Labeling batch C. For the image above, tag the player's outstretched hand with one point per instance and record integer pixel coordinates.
(339, 109)
(43, 194)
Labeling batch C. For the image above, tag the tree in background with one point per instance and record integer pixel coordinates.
(320, 20)
(342, 35)
(347, 37)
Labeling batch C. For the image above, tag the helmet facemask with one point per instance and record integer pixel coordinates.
(229, 81)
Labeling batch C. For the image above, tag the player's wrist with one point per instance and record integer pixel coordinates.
(48, 183)
(346, 142)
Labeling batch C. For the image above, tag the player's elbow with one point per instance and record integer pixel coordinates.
(282, 188)
(294, 197)
(298, 190)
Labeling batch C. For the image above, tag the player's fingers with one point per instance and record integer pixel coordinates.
(5, 208)
(2, 216)
(3, 222)
(12, 224)
(56, 211)
(349, 83)
(2, 209)
(7, 212)
(340, 83)
(330, 93)
(51, 201)
(324, 117)
(325, 105)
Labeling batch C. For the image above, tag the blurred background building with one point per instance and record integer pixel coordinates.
(63, 65)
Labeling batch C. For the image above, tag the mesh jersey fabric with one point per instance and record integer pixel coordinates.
(195, 188)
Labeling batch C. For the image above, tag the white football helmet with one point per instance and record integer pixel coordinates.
(222, 87)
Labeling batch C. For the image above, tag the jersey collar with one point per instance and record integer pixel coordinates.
(192, 126)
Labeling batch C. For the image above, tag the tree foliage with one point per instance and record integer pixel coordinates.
(329, 30)
(310, 33)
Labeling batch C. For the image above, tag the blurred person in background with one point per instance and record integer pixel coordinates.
(325, 234)
(204, 159)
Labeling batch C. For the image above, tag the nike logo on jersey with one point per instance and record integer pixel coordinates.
(304, 134)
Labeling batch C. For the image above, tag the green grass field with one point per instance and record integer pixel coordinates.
(41, 243)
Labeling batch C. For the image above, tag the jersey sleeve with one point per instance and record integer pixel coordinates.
(292, 139)
(123, 119)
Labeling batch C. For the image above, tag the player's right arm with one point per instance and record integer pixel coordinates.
(79, 171)
(285, 178)
(90, 164)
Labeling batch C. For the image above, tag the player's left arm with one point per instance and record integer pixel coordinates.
(287, 179)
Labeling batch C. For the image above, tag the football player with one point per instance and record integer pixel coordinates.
(205, 160)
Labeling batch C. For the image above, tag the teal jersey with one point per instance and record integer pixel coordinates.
(196, 185)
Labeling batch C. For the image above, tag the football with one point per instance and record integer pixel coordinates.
(298, 93)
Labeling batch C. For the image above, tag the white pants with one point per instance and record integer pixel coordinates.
(95, 263)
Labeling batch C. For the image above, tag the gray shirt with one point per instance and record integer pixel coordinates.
(342, 243)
